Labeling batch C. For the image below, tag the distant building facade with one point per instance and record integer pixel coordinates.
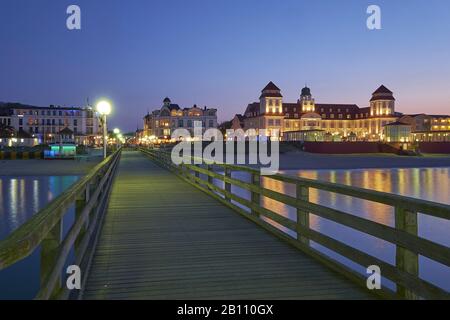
(161, 123)
(44, 123)
(273, 117)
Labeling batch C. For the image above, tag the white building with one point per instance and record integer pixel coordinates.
(44, 123)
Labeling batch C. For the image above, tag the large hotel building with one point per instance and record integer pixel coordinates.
(43, 124)
(308, 120)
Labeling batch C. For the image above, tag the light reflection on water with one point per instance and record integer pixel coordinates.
(20, 199)
(426, 183)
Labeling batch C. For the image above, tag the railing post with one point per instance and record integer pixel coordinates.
(227, 185)
(302, 193)
(197, 174)
(256, 197)
(406, 260)
(49, 254)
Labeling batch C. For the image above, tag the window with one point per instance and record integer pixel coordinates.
(270, 122)
(332, 116)
(75, 122)
(189, 123)
(278, 122)
(53, 122)
(60, 113)
(296, 115)
(211, 123)
(20, 122)
(349, 116)
(340, 115)
(180, 123)
(324, 116)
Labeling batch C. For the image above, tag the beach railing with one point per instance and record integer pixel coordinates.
(44, 230)
(404, 235)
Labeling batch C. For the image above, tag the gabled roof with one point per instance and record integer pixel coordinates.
(252, 108)
(66, 131)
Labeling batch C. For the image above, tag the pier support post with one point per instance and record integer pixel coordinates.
(256, 197)
(80, 204)
(228, 185)
(302, 216)
(406, 260)
(49, 254)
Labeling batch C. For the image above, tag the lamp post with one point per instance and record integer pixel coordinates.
(104, 109)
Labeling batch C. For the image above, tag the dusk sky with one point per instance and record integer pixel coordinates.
(221, 53)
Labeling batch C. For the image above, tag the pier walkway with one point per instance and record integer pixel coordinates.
(162, 238)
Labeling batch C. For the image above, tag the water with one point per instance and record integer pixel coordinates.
(20, 199)
(426, 183)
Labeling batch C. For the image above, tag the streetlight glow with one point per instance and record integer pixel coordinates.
(116, 131)
(104, 107)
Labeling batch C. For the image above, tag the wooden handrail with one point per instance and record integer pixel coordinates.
(404, 235)
(44, 229)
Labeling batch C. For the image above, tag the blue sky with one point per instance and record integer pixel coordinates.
(221, 53)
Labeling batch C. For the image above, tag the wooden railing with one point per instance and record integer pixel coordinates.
(45, 230)
(409, 245)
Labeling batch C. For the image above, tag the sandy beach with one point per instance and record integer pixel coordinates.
(48, 167)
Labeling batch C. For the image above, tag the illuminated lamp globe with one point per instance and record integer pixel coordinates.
(104, 107)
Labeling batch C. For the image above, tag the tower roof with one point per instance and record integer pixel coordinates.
(271, 90)
(167, 100)
(382, 93)
(383, 90)
(271, 87)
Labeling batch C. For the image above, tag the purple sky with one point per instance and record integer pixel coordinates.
(221, 53)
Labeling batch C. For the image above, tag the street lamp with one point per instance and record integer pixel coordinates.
(104, 109)
(116, 131)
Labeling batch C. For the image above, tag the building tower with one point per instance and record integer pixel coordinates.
(167, 102)
(382, 103)
(306, 101)
(271, 100)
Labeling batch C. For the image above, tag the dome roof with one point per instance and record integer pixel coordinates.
(306, 92)
(167, 100)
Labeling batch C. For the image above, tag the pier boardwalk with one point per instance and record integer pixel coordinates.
(164, 239)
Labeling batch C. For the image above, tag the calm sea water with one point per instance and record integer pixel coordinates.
(426, 183)
(20, 199)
